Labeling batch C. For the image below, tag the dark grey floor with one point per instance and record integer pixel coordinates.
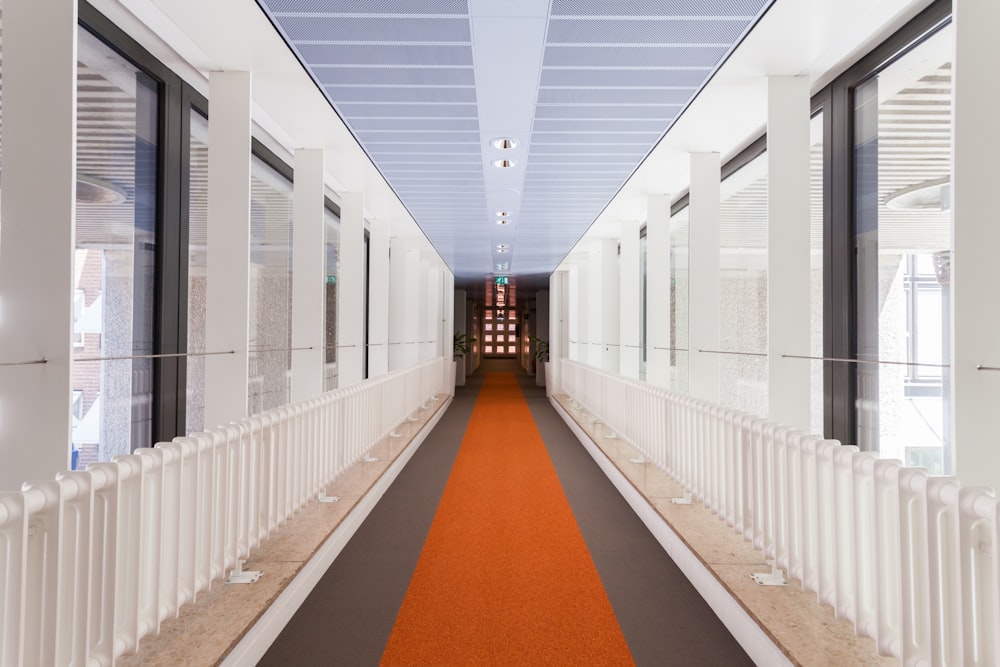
(347, 619)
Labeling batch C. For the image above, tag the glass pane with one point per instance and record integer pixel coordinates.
(816, 274)
(488, 338)
(489, 325)
(330, 312)
(512, 349)
(642, 307)
(270, 288)
(743, 288)
(115, 257)
(679, 356)
(488, 349)
(197, 270)
(902, 224)
(511, 327)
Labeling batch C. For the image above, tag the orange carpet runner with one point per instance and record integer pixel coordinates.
(505, 577)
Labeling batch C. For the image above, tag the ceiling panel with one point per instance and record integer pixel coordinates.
(426, 85)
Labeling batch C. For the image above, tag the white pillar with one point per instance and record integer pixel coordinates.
(788, 270)
(37, 238)
(447, 327)
(976, 237)
(397, 303)
(658, 290)
(227, 311)
(704, 282)
(629, 295)
(350, 290)
(308, 274)
(610, 307)
(378, 298)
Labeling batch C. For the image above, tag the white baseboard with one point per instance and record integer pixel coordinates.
(754, 640)
(259, 638)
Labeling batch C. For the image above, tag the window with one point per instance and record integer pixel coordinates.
(115, 257)
(743, 288)
(332, 261)
(679, 311)
(270, 295)
(197, 270)
(902, 234)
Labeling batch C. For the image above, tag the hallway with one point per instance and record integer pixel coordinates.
(350, 616)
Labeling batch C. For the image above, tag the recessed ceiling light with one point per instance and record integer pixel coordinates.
(503, 214)
(504, 143)
(502, 266)
(502, 246)
(504, 163)
(504, 221)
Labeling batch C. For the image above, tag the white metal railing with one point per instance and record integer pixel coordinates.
(94, 560)
(909, 558)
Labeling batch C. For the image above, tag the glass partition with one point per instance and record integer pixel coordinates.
(115, 256)
(270, 295)
(679, 310)
(332, 262)
(197, 270)
(743, 288)
(902, 227)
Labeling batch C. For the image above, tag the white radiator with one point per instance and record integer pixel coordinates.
(909, 558)
(95, 560)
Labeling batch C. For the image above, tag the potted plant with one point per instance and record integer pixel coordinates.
(541, 358)
(461, 344)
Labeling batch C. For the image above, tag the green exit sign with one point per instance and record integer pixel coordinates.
(501, 280)
(331, 280)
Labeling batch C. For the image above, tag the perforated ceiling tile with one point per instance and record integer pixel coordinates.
(633, 56)
(616, 78)
(396, 76)
(747, 8)
(355, 29)
(407, 79)
(651, 96)
(392, 54)
(460, 7)
(718, 31)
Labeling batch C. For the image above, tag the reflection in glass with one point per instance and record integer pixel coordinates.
(679, 310)
(270, 288)
(902, 225)
(115, 257)
(816, 399)
(332, 260)
(197, 270)
(743, 288)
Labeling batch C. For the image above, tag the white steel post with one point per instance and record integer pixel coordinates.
(308, 275)
(350, 290)
(704, 284)
(658, 290)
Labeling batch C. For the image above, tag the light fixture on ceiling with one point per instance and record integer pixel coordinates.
(504, 163)
(932, 195)
(504, 143)
(93, 190)
(502, 247)
(502, 266)
(504, 221)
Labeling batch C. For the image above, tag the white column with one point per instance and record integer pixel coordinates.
(37, 224)
(788, 271)
(558, 328)
(308, 274)
(976, 237)
(610, 308)
(629, 294)
(397, 303)
(658, 290)
(704, 281)
(378, 298)
(350, 290)
(227, 311)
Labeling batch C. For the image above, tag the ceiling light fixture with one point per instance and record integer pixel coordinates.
(503, 214)
(504, 143)
(504, 163)
(504, 221)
